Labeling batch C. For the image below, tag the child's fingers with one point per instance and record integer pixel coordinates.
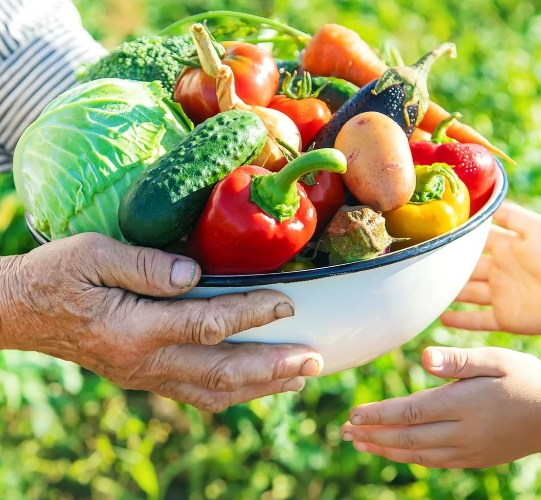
(498, 236)
(480, 321)
(422, 407)
(452, 362)
(516, 218)
(408, 437)
(482, 270)
(434, 458)
(475, 292)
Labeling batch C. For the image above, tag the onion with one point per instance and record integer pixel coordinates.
(278, 125)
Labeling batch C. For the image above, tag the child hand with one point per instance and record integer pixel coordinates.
(508, 279)
(491, 416)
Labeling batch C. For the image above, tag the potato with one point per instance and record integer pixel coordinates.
(380, 171)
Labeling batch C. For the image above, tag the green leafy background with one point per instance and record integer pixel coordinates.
(67, 434)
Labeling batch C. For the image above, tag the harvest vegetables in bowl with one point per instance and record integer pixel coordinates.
(354, 313)
(318, 186)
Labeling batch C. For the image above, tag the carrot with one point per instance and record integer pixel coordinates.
(336, 50)
(340, 52)
(420, 136)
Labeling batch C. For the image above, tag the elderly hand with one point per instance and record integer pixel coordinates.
(81, 299)
(489, 417)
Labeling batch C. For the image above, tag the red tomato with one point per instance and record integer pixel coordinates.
(327, 195)
(256, 82)
(309, 114)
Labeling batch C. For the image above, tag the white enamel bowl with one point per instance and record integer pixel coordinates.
(354, 313)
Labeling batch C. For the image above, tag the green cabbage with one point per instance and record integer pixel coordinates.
(72, 166)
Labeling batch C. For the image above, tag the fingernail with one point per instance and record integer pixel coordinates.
(360, 446)
(347, 436)
(284, 310)
(294, 385)
(183, 273)
(437, 358)
(356, 420)
(310, 368)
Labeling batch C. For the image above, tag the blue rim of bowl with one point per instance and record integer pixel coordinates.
(252, 280)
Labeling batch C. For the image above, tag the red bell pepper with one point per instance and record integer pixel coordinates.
(474, 164)
(257, 220)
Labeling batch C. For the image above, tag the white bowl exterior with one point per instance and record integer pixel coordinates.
(354, 318)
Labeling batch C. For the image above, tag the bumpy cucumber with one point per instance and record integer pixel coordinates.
(163, 203)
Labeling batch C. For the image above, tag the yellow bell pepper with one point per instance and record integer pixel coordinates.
(441, 203)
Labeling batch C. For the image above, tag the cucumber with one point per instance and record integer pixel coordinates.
(336, 93)
(288, 66)
(163, 203)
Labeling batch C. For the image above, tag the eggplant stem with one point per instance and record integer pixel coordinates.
(414, 81)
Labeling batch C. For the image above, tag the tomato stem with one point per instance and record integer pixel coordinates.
(304, 87)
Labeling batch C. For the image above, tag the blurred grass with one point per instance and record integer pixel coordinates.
(69, 435)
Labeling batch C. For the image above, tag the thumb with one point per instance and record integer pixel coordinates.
(145, 271)
(451, 362)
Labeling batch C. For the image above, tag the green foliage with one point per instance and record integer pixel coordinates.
(71, 435)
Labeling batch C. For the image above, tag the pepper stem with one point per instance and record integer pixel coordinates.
(414, 80)
(291, 153)
(276, 194)
(430, 184)
(439, 136)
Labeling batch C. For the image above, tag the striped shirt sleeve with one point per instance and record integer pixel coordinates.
(42, 46)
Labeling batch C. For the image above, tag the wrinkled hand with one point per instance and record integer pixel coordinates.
(492, 416)
(80, 299)
(508, 279)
